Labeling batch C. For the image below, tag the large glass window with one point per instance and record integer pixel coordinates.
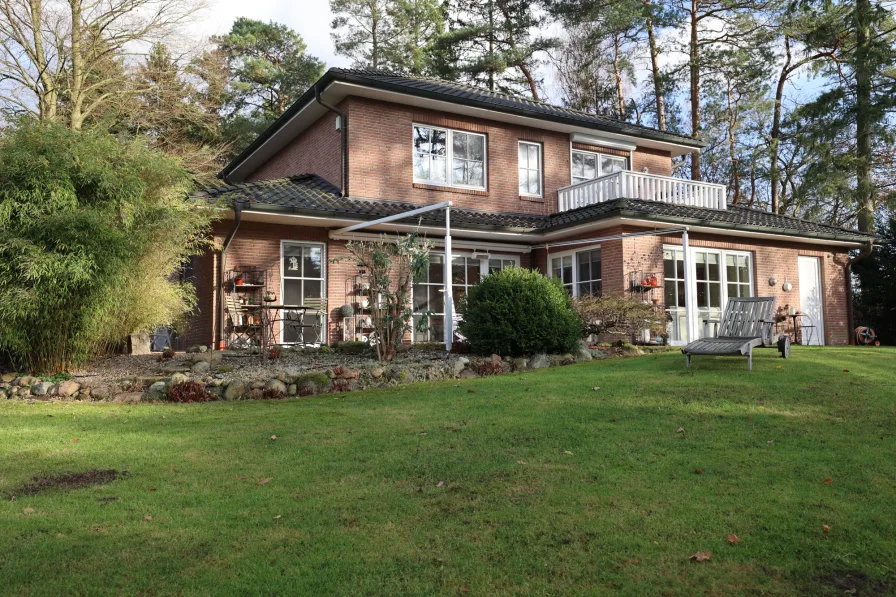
(530, 168)
(713, 284)
(303, 278)
(435, 148)
(579, 272)
(429, 292)
(587, 165)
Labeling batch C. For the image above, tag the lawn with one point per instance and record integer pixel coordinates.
(513, 485)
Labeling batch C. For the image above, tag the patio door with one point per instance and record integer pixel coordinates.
(714, 275)
(811, 299)
(302, 269)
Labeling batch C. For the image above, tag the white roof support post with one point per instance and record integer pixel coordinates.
(449, 290)
(689, 301)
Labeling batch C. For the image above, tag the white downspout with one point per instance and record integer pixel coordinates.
(688, 295)
(449, 291)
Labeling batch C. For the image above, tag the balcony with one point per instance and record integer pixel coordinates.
(637, 185)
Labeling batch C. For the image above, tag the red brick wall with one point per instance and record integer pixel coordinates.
(258, 245)
(770, 259)
(317, 150)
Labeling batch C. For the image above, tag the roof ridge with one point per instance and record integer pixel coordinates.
(490, 92)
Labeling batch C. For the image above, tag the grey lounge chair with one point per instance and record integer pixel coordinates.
(747, 323)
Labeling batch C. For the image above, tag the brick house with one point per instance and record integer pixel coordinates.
(581, 197)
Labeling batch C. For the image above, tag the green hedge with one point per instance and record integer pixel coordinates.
(518, 312)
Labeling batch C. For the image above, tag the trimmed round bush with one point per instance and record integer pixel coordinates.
(518, 312)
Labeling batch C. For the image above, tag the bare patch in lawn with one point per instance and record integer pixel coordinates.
(66, 481)
(854, 582)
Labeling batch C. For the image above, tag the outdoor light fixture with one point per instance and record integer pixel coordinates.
(773, 281)
(787, 286)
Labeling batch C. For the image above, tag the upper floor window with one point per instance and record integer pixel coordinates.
(449, 157)
(530, 168)
(587, 165)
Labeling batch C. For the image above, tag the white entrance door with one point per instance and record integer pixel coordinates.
(811, 299)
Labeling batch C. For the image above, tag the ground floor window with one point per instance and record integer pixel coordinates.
(303, 272)
(578, 271)
(466, 271)
(716, 275)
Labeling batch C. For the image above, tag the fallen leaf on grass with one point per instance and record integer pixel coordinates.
(846, 371)
(679, 430)
(779, 367)
(770, 442)
(698, 471)
(701, 556)
(28, 511)
(612, 420)
(273, 437)
(825, 528)
(153, 489)
(521, 462)
(732, 538)
(147, 518)
(464, 590)
(265, 480)
(440, 484)
(76, 440)
(828, 481)
(278, 516)
(567, 452)
(595, 388)
(471, 391)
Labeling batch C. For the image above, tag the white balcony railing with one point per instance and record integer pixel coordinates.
(637, 185)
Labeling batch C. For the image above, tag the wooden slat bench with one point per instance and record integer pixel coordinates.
(747, 323)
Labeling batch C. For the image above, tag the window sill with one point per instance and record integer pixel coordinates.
(447, 189)
(532, 198)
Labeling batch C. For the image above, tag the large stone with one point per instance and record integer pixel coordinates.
(376, 372)
(193, 349)
(129, 397)
(26, 381)
(175, 367)
(583, 353)
(598, 355)
(292, 390)
(200, 368)
(468, 374)
(458, 364)
(212, 357)
(7, 377)
(139, 344)
(67, 388)
(41, 388)
(520, 364)
(235, 390)
(540, 361)
(178, 378)
(3, 395)
(275, 385)
(156, 391)
(102, 391)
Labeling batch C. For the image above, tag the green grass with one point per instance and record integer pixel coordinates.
(549, 487)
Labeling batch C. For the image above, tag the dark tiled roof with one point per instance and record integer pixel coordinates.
(311, 195)
(469, 95)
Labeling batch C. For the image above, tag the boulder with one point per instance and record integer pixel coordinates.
(496, 358)
(275, 385)
(257, 385)
(235, 390)
(26, 381)
(102, 391)
(41, 388)
(139, 344)
(212, 357)
(7, 377)
(458, 364)
(520, 364)
(174, 367)
(129, 398)
(376, 372)
(567, 359)
(468, 374)
(194, 349)
(200, 368)
(156, 391)
(598, 355)
(583, 353)
(178, 378)
(540, 361)
(67, 388)
(3, 395)
(292, 390)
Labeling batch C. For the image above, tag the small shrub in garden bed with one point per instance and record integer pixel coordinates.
(189, 391)
(341, 385)
(273, 394)
(274, 352)
(352, 347)
(167, 354)
(516, 312)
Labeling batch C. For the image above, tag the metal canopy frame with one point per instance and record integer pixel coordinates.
(688, 294)
(448, 289)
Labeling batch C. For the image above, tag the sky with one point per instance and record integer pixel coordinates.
(310, 18)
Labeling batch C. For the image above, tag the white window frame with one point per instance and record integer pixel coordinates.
(483, 272)
(449, 158)
(519, 167)
(691, 280)
(598, 169)
(325, 334)
(575, 265)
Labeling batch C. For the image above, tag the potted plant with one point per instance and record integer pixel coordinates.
(346, 311)
(269, 297)
(238, 278)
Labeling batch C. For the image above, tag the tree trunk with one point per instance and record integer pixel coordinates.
(78, 75)
(530, 80)
(617, 74)
(775, 137)
(732, 144)
(865, 183)
(47, 97)
(655, 69)
(694, 52)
